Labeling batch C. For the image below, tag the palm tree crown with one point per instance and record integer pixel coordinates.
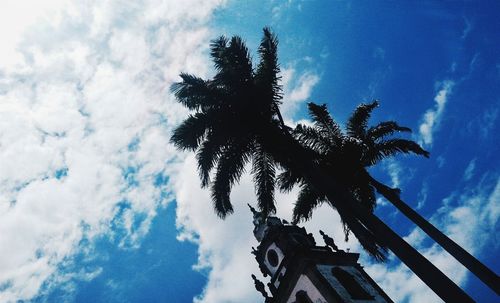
(232, 111)
(345, 154)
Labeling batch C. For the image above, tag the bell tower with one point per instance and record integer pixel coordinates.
(302, 272)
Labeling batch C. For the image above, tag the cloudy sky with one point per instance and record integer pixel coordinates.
(97, 206)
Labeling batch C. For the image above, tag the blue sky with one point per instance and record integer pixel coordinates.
(97, 206)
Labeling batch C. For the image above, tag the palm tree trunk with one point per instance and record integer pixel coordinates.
(287, 151)
(445, 288)
(470, 262)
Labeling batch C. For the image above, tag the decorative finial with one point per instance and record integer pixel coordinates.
(329, 241)
(259, 223)
(260, 287)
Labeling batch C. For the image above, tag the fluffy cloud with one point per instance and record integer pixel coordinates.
(469, 171)
(432, 117)
(85, 118)
(394, 169)
(297, 89)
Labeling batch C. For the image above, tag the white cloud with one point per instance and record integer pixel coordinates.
(378, 53)
(398, 173)
(467, 28)
(469, 170)
(432, 117)
(394, 169)
(440, 161)
(282, 8)
(15, 18)
(422, 196)
(224, 246)
(297, 89)
(484, 123)
(85, 119)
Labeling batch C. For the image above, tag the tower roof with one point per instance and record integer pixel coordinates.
(299, 268)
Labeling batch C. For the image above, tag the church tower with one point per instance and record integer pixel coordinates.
(302, 272)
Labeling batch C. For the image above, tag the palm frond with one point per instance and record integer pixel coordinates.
(313, 139)
(288, 179)
(230, 167)
(195, 93)
(218, 52)
(233, 63)
(394, 146)
(325, 124)
(207, 156)
(384, 129)
(307, 201)
(267, 74)
(191, 131)
(268, 51)
(358, 121)
(264, 172)
(240, 58)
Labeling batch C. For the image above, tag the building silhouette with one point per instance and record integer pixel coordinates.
(302, 272)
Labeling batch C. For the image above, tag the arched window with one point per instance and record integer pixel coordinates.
(350, 284)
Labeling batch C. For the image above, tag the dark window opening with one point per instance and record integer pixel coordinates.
(272, 257)
(302, 297)
(352, 286)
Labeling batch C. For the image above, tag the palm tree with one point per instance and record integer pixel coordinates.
(345, 154)
(350, 155)
(236, 120)
(231, 111)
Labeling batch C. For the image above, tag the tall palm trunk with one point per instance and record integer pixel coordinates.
(287, 151)
(470, 262)
(446, 289)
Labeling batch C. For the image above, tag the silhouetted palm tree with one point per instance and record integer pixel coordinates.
(349, 154)
(236, 120)
(346, 154)
(231, 112)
